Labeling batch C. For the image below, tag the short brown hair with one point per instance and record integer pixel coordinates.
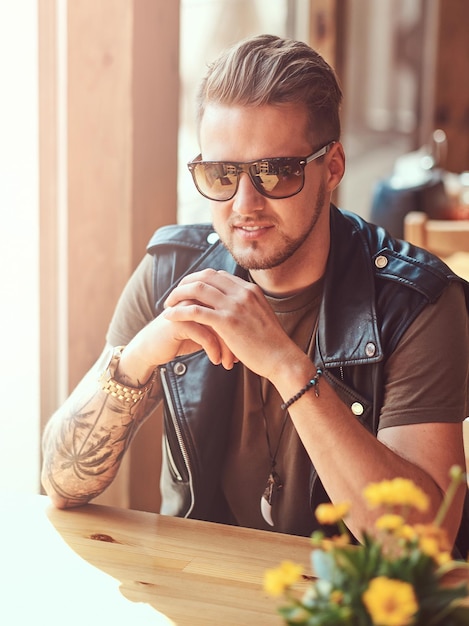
(267, 69)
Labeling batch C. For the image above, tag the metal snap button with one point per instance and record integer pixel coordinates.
(179, 368)
(381, 261)
(370, 349)
(212, 238)
(357, 408)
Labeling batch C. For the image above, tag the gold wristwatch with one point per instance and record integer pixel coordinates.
(117, 390)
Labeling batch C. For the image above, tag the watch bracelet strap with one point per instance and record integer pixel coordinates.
(123, 393)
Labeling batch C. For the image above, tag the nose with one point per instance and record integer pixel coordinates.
(247, 198)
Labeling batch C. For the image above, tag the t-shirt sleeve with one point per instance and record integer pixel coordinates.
(135, 307)
(426, 378)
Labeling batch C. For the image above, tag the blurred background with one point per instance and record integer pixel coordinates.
(96, 128)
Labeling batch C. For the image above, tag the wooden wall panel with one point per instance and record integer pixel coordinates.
(122, 153)
(327, 32)
(99, 168)
(451, 108)
(118, 183)
(155, 118)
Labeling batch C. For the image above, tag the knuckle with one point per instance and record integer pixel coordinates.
(208, 272)
(250, 294)
(200, 287)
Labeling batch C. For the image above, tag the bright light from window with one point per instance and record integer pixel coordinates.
(19, 250)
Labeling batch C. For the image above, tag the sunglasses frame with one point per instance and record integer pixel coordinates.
(245, 167)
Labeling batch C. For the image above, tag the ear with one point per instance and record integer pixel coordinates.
(335, 165)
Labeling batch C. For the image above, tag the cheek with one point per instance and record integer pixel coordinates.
(220, 212)
(295, 213)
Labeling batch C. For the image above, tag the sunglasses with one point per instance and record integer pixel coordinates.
(277, 178)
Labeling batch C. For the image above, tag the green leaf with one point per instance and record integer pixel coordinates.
(323, 565)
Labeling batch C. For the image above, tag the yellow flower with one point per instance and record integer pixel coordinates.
(433, 541)
(337, 596)
(389, 522)
(332, 513)
(430, 530)
(443, 557)
(429, 546)
(390, 602)
(278, 579)
(399, 491)
(406, 532)
(338, 541)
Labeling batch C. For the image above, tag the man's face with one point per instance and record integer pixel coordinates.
(262, 233)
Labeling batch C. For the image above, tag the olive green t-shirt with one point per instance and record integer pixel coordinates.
(261, 432)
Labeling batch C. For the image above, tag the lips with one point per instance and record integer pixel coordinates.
(251, 232)
(250, 226)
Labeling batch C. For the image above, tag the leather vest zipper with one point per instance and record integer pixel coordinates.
(171, 461)
(180, 440)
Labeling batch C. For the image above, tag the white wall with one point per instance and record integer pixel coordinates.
(19, 248)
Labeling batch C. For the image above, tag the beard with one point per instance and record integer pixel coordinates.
(250, 259)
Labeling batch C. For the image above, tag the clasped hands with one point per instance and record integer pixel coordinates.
(227, 317)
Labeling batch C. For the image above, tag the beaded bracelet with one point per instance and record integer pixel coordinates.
(314, 382)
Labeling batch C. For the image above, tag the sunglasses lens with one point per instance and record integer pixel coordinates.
(217, 181)
(273, 178)
(277, 178)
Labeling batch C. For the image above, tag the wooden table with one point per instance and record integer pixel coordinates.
(194, 573)
(136, 568)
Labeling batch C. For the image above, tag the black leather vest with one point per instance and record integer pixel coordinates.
(384, 285)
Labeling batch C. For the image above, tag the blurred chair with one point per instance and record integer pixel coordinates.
(442, 237)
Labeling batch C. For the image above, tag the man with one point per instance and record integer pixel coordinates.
(300, 352)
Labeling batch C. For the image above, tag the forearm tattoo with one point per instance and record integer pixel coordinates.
(84, 449)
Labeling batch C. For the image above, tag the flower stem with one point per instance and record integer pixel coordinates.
(457, 477)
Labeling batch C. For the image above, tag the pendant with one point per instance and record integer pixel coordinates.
(273, 484)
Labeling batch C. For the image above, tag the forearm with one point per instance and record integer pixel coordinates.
(347, 457)
(85, 440)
